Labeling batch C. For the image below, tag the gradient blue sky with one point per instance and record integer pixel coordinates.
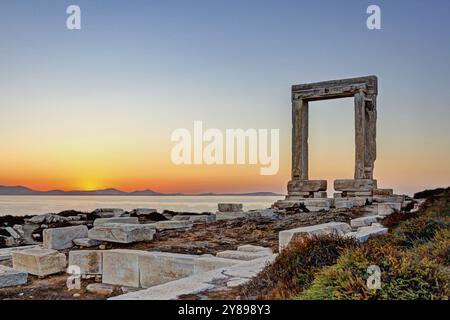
(106, 98)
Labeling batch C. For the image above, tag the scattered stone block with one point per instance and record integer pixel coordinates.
(121, 267)
(109, 212)
(13, 233)
(160, 267)
(47, 218)
(252, 248)
(230, 215)
(363, 194)
(249, 269)
(39, 262)
(383, 192)
(19, 229)
(307, 186)
(315, 205)
(204, 218)
(236, 282)
(350, 185)
(338, 228)
(363, 234)
(199, 282)
(100, 288)
(364, 221)
(61, 238)
(386, 208)
(8, 241)
(12, 278)
(359, 202)
(129, 220)
(343, 203)
(122, 233)
(377, 224)
(241, 255)
(90, 262)
(320, 194)
(174, 289)
(5, 254)
(86, 242)
(173, 224)
(230, 207)
(208, 263)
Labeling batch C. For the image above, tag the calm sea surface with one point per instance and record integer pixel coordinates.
(23, 205)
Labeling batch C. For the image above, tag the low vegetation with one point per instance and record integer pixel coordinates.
(414, 259)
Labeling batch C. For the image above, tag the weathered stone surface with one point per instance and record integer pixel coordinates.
(129, 220)
(359, 201)
(230, 207)
(13, 233)
(200, 282)
(8, 241)
(338, 228)
(387, 208)
(144, 211)
(249, 269)
(106, 212)
(208, 263)
(363, 194)
(307, 185)
(47, 218)
(252, 248)
(11, 278)
(355, 184)
(86, 242)
(174, 289)
(363, 233)
(317, 204)
(320, 194)
(241, 255)
(61, 238)
(236, 282)
(39, 262)
(121, 267)
(383, 192)
(343, 203)
(89, 261)
(337, 195)
(364, 221)
(160, 267)
(5, 254)
(173, 224)
(100, 288)
(122, 233)
(230, 215)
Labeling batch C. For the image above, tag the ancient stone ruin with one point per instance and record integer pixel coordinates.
(312, 193)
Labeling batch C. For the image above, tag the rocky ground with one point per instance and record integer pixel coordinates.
(201, 239)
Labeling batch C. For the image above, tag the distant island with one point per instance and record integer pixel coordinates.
(24, 191)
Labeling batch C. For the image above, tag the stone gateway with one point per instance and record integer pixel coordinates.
(364, 90)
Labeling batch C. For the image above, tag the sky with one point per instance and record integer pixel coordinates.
(95, 108)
